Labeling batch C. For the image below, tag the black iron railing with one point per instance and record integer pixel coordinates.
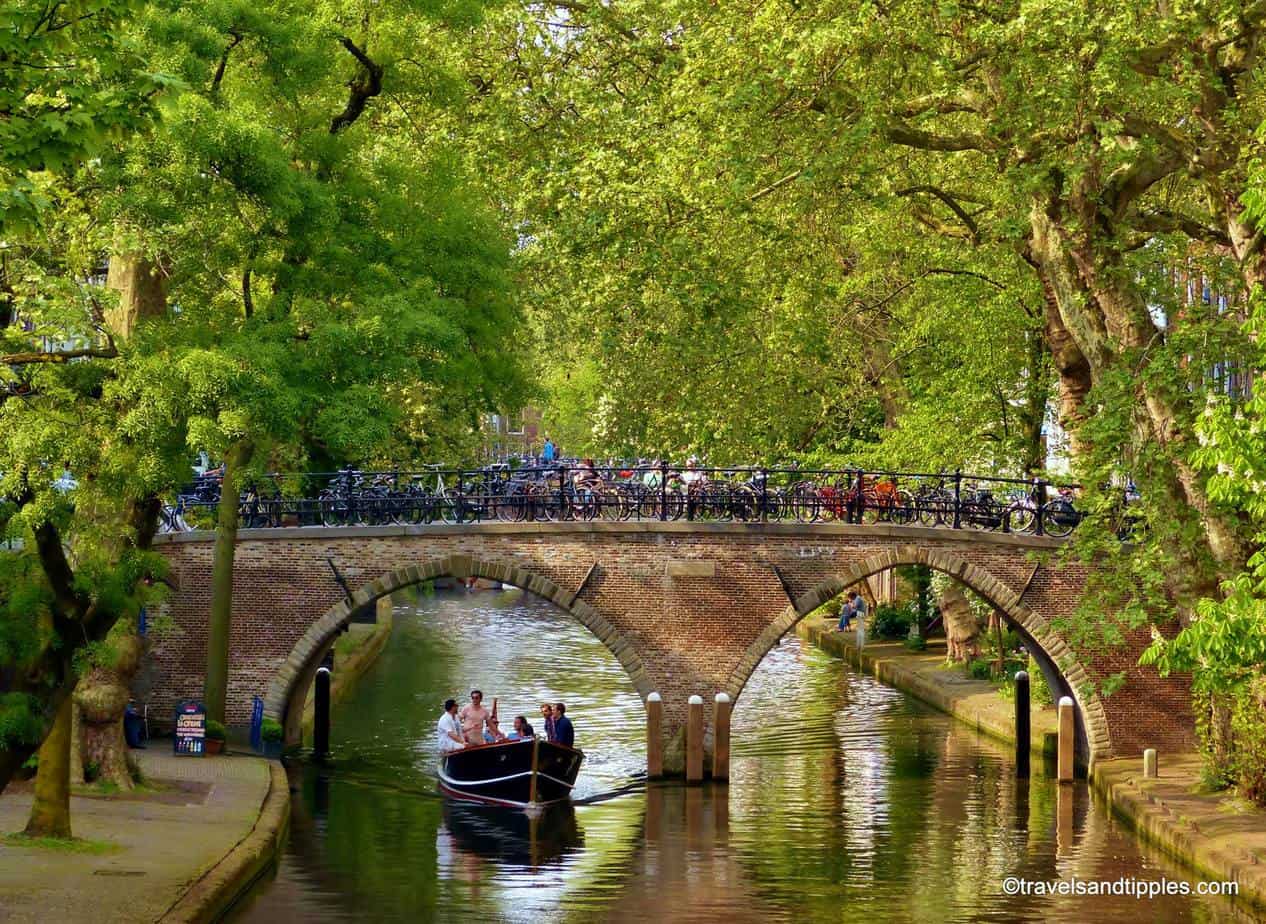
(951, 500)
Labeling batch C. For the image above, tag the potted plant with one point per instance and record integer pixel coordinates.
(271, 733)
(216, 735)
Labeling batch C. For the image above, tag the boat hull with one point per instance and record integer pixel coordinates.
(516, 773)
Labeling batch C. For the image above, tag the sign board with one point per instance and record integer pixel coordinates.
(191, 728)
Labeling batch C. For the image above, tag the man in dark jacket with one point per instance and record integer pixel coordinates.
(563, 732)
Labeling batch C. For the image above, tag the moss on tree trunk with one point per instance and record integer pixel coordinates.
(50, 812)
(215, 691)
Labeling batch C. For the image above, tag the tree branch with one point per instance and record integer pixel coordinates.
(26, 359)
(361, 89)
(950, 202)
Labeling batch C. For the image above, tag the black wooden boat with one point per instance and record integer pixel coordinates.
(517, 773)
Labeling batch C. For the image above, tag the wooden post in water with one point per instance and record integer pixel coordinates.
(1066, 735)
(721, 738)
(321, 713)
(1023, 732)
(654, 736)
(694, 739)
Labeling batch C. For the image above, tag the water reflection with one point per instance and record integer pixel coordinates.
(509, 835)
(848, 801)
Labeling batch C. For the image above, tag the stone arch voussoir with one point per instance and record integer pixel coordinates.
(287, 681)
(1003, 598)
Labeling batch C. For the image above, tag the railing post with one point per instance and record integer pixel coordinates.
(663, 489)
(1039, 528)
(764, 496)
(562, 492)
(958, 499)
(459, 505)
(859, 498)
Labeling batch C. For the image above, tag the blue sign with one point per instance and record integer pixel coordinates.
(191, 728)
(257, 723)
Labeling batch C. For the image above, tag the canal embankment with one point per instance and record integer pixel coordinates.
(924, 674)
(182, 849)
(1218, 835)
(354, 653)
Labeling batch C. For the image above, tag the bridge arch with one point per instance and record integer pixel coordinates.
(1063, 672)
(288, 687)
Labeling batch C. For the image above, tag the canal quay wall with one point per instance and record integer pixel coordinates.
(354, 656)
(184, 850)
(923, 674)
(1219, 836)
(687, 608)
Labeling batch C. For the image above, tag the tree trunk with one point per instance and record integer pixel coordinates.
(102, 697)
(215, 692)
(962, 631)
(142, 292)
(50, 812)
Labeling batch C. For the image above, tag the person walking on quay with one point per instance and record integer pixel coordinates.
(449, 729)
(473, 716)
(563, 732)
(549, 451)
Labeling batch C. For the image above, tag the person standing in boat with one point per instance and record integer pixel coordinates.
(473, 717)
(563, 732)
(547, 716)
(449, 729)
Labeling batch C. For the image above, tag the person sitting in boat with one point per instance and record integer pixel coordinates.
(449, 729)
(494, 733)
(473, 717)
(563, 732)
(522, 730)
(547, 714)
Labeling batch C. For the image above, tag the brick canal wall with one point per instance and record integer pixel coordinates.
(686, 607)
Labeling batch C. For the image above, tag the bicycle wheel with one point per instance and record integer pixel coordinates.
(1023, 517)
(1059, 518)
(903, 511)
(333, 510)
(806, 502)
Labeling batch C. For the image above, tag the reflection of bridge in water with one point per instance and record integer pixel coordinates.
(686, 607)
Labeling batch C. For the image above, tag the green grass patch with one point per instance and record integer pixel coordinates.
(60, 845)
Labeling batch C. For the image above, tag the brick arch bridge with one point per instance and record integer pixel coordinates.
(686, 607)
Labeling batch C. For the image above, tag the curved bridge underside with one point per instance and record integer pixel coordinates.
(686, 608)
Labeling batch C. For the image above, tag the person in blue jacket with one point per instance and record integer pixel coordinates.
(563, 732)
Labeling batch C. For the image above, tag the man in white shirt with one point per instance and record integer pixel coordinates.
(449, 729)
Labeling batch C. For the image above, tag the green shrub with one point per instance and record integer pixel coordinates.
(980, 669)
(216, 730)
(271, 730)
(916, 643)
(891, 621)
(92, 770)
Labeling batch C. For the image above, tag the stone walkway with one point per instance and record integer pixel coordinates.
(164, 847)
(924, 674)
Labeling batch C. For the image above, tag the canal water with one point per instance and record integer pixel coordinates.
(849, 801)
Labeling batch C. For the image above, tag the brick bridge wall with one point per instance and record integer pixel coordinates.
(687, 608)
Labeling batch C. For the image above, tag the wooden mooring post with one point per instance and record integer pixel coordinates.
(694, 739)
(721, 738)
(1023, 730)
(1067, 733)
(654, 736)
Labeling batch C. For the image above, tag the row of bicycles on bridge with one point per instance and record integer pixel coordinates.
(635, 492)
